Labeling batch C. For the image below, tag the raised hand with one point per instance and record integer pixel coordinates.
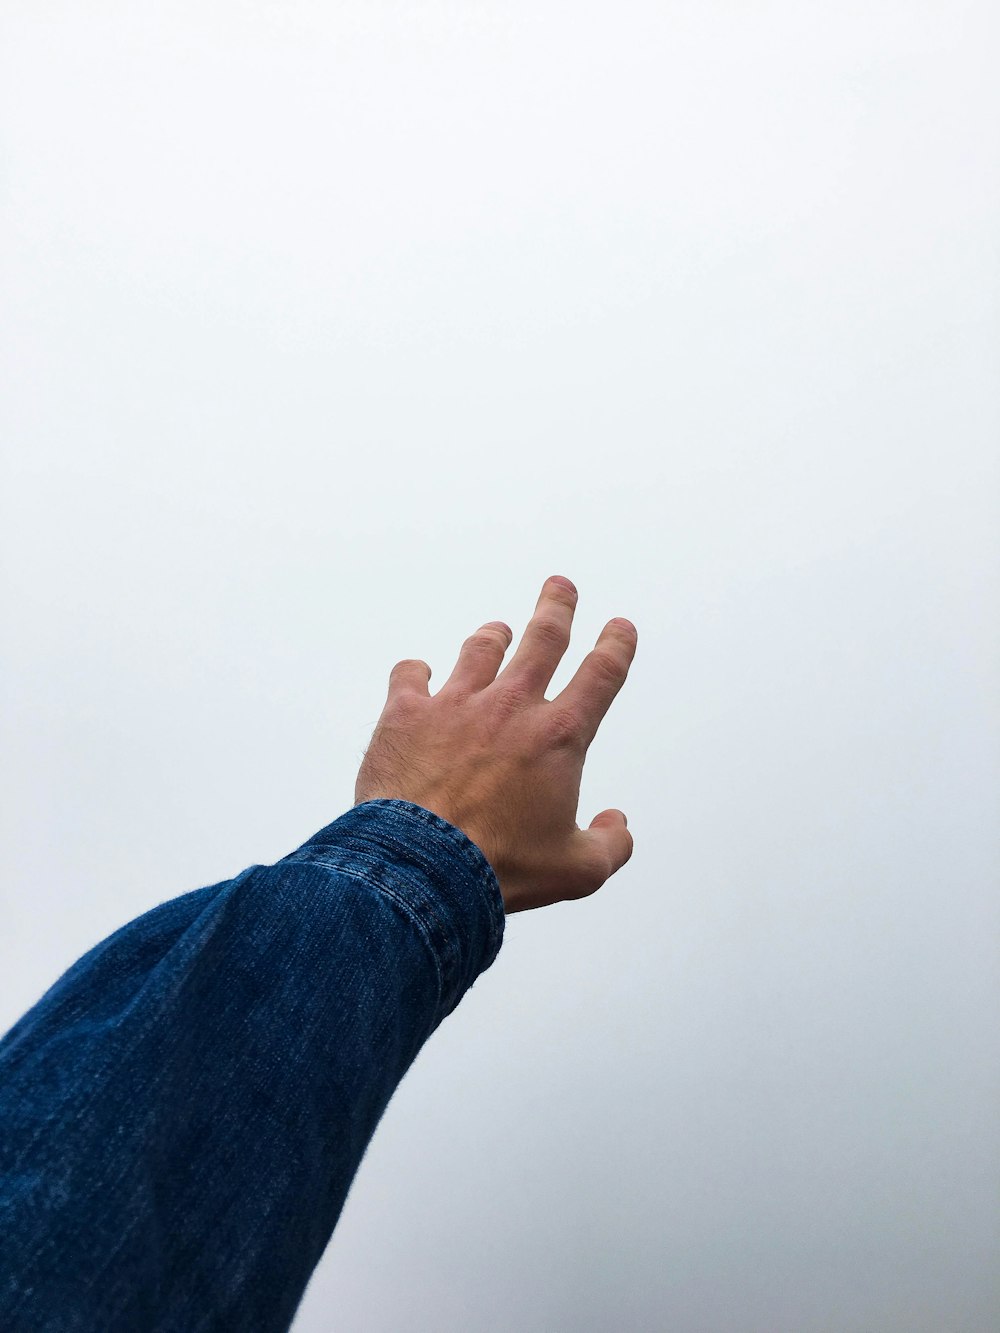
(493, 756)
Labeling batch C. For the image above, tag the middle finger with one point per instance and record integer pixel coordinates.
(546, 638)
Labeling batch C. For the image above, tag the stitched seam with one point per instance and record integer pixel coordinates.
(401, 902)
(434, 917)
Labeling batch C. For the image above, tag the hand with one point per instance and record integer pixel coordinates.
(494, 757)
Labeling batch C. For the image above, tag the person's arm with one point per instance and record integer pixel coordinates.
(183, 1113)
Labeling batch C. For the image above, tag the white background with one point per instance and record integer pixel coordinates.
(330, 331)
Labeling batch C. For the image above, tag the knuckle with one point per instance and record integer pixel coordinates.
(551, 633)
(484, 640)
(508, 699)
(396, 712)
(563, 726)
(606, 667)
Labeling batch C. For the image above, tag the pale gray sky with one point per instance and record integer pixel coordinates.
(330, 331)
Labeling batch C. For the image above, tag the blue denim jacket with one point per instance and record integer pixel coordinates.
(183, 1112)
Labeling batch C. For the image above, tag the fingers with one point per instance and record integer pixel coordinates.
(480, 657)
(409, 677)
(587, 697)
(600, 676)
(546, 638)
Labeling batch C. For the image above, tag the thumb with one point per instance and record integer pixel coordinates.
(609, 832)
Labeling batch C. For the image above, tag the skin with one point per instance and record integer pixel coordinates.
(490, 754)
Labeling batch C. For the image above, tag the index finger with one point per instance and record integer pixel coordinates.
(600, 676)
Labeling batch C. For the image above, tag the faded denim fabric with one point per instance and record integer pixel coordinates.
(183, 1112)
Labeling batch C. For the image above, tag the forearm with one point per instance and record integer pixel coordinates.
(183, 1113)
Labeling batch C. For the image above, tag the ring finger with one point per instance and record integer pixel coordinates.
(480, 657)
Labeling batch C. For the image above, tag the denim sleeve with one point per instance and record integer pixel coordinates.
(183, 1112)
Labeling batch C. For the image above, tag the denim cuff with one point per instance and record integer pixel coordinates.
(432, 871)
